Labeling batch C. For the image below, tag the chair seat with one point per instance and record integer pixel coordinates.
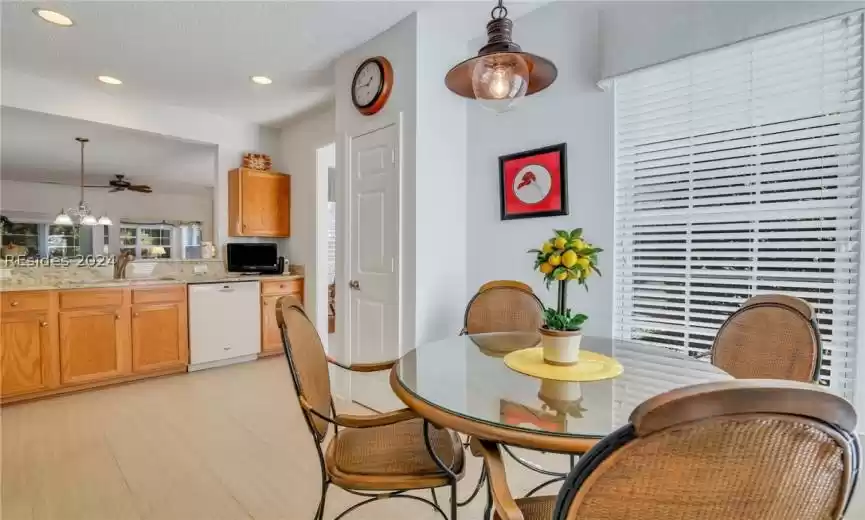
(391, 457)
(535, 508)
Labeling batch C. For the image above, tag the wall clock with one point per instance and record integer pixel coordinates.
(372, 84)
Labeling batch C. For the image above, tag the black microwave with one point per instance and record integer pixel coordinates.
(257, 257)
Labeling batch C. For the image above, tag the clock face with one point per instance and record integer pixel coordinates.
(372, 84)
(367, 84)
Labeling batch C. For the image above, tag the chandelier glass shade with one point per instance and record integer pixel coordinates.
(82, 213)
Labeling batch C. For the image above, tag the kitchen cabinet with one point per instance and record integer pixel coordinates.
(94, 335)
(160, 334)
(28, 343)
(271, 291)
(259, 203)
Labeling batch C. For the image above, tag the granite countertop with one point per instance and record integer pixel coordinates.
(6, 285)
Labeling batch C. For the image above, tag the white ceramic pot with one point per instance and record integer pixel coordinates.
(560, 391)
(561, 347)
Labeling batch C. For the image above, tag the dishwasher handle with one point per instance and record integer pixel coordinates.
(226, 288)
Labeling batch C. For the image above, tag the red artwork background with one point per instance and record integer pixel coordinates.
(554, 203)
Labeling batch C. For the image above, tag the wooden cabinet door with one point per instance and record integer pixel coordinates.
(271, 338)
(28, 352)
(159, 336)
(264, 203)
(94, 344)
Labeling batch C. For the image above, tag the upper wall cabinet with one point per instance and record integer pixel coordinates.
(259, 203)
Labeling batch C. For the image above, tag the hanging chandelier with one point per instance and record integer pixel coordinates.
(501, 73)
(82, 212)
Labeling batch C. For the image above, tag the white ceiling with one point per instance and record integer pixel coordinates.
(201, 54)
(39, 147)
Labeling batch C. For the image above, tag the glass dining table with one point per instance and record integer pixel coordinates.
(463, 384)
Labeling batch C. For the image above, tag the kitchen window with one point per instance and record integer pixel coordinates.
(147, 241)
(739, 172)
(34, 239)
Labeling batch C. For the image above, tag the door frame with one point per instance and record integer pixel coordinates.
(344, 229)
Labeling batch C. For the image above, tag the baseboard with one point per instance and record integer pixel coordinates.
(223, 362)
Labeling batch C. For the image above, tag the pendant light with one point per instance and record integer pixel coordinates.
(501, 73)
(82, 212)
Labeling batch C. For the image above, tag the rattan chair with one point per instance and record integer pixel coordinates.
(741, 449)
(771, 336)
(503, 306)
(373, 456)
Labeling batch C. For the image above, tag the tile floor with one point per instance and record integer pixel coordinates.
(222, 444)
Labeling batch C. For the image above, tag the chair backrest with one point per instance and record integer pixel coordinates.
(744, 449)
(771, 336)
(307, 361)
(503, 306)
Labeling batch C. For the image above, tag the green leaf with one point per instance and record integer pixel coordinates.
(533, 251)
(595, 269)
(561, 233)
(577, 233)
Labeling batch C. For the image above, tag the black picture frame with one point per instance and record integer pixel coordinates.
(562, 148)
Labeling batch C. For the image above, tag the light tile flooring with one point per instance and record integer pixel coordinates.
(222, 444)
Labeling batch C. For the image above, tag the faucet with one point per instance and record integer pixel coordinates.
(120, 264)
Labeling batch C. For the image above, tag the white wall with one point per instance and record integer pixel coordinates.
(573, 111)
(37, 199)
(440, 204)
(638, 34)
(232, 138)
(299, 140)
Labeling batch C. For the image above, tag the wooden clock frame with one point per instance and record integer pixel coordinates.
(384, 90)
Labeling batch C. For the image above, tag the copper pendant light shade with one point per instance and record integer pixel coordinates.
(501, 72)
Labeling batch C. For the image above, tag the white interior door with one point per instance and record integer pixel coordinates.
(374, 260)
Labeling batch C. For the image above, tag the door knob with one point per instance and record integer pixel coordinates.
(14, 303)
(354, 284)
(43, 323)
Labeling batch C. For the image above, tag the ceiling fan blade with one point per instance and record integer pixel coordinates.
(114, 190)
(95, 185)
(141, 188)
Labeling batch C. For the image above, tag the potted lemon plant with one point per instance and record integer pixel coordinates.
(566, 257)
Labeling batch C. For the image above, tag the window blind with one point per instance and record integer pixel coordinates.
(739, 172)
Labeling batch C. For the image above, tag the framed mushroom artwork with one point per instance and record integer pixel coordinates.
(534, 183)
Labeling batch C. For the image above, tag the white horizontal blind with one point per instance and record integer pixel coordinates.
(739, 172)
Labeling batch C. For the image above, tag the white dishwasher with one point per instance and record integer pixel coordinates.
(224, 323)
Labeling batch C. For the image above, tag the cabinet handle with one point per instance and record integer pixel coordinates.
(14, 303)
(135, 314)
(43, 323)
(117, 316)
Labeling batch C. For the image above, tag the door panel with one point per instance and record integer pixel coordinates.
(92, 343)
(265, 203)
(271, 339)
(374, 258)
(26, 356)
(159, 336)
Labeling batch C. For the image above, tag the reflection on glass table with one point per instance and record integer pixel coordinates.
(466, 376)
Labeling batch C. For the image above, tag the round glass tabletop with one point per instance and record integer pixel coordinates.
(466, 376)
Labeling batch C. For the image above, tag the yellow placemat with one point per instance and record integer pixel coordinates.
(592, 366)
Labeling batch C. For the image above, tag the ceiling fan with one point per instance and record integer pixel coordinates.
(119, 183)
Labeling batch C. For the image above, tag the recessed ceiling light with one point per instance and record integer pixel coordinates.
(261, 80)
(54, 17)
(109, 80)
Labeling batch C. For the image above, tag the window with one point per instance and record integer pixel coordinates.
(46, 240)
(738, 172)
(147, 241)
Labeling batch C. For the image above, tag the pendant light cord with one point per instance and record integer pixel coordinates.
(499, 11)
(81, 202)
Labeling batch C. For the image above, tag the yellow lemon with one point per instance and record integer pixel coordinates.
(560, 243)
(545, 268)
(562, 276)
(554, 260)
(569, 259)
(547, 248)
(583, 263)
(578, 244)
